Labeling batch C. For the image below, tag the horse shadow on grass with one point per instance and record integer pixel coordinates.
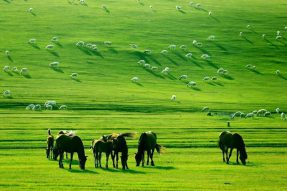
(161, 167)
(82, 171)
(123, 171)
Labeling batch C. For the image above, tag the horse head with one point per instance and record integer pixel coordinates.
(138, 158)
(55, 153)
(82, 162)
(243, 156)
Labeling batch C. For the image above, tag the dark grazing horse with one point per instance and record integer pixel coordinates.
(120, 145)
(228, 140)
(100, 146)
(50, 145)
(70, 144)
(147, 142)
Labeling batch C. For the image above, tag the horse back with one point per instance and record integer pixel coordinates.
(237, 141)
(69, 143)
(225, 139)
(147, 140)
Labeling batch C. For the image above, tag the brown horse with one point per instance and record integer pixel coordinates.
(70, 144)
(228, 140)
(147, 142)
(100, 146)
(50, 145)
(120, 145)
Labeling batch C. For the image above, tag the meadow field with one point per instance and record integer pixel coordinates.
(102, 42)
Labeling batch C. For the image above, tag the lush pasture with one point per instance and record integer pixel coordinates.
(104, 100)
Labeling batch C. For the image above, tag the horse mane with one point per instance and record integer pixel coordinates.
(240, 144)
(69, 133)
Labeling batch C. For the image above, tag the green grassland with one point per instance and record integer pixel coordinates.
(104, 99)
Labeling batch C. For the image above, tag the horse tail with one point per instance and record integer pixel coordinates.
(159, 148)
(131, 135)
(49, 131)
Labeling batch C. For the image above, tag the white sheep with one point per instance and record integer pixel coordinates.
(188, 55)
(278, 37)
(6, 69)
(165, 70)
(7, 94)
(211, 38)
(49, 107)
(255, 112)
(148, 52)
(135, 79)
(237, 114)
(205, 56)
(278, 33)
(107, 43)
(89, 45)
(183, 47)
(191, 84)
(82, 2)
(277, 72)
(248, 115)
(15, 69)
(134, 46)
(248, 26)
(32, 41)
(267, 114)
(183, 77)
(164, 52)
(74, 76)
(197, 5)
(285, 28)
(24, 72)
(30, 10)
(50, 47)
(80, 44)
(94, 47)
(150, 6)
(53, 103)
(206, 78)
(173, 98)
(204, 109)
(213, 78)
(177, 7)
(209, 13)
(147, 66)
(250, 67)
(263, 36)
(154, 68)
(194, 42)
(30, 107)
(261, 112)
(240, 33)
(141, 62)
(277, 110)
(283, 116)
(7, 52)
(63, 107)
(172, 47)
(55, 39)
(54, 64)
(37, 107)
(222, 71)
(191, 3)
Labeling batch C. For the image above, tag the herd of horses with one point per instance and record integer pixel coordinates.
(113, 144)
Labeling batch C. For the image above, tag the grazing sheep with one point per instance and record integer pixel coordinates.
(164, 52)
(204, 109)
(255, 112)
(148, 52)
(172, 47)
(183, 77)
(82, 2)
(206, 78)
(30, 10)
(248, 115)
(94, 47)
(267, 114)
(150, 6)
(37, 107)
(261, 112)
(165, 70)
(248, 26)
(63, 107)
(50, 47)
(197, 5)
(141, 62)
(250, 67)
(30, 107)
(211, 38)
(177, 7)
(6, 69)
(209, 13)
(7, 52)
(55, 39)
(191, 84)
(278, 37)
(277, 72)
(108, 43)
(154, 68)
(263, 36)
(283, 116)
(188, 55)
(15, 69)
(222, 71)
(74, 76)
(205, 56)
(183, 47)
(278, 33)
(135, 79)
(24, 72)
(32, 41)
(241, 34)
(134, 46)
(196, 43)
(277, 110)
(80, 44)
(147, 66)
(213, 78)
(52, 103)
(173, 98)
(49, 107)
(7, 94)
(54, 64)
(285, 28)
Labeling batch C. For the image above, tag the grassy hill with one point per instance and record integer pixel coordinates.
(104, 99)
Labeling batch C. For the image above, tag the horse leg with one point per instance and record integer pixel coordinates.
(230, 153)
(143, 159)
(148, 156)
(61, 160)
(51, 153)
(107, 159)
(100, 159)
(113, 159)
(117, 160)
(70, 167)
(226, 155)
(151, 157)
(237, 153)
(96, 159)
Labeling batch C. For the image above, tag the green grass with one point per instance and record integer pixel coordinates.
(104, 100)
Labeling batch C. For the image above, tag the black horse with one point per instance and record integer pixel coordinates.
(147, 142)
(70, 144)
(228, 140)
(120, 145)
(50, 145)
(99, 146)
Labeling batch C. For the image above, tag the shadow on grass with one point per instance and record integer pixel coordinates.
(58, 44)
(9, 73)
(220, 47)
(10, 58)
(107, 10)
(182, 11)
(196, 63)
(112, 50)
(228, 77)
(218, 83)
(161, 167)
(255, 71)
(171, 60)
(154, 73)
(34, 46)
(57, 69)
(282, 77)
(210, 63)
(247, 40)
(34, 14)
(171, 77)
(53, 53)
(180, 56)
(271, 43)
(28, 76)
(122, 171)
(214, 18)
(7, 1)
(153, 59)
(138, 83)
(77, 80)
(82, 171)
